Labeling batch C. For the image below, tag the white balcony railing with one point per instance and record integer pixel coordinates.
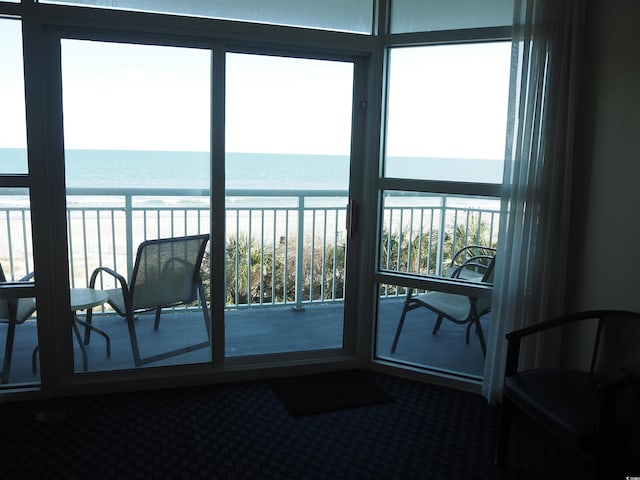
(282, 247)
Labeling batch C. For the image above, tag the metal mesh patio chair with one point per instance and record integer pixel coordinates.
(166, 273)
(472, 263)
(13, 312)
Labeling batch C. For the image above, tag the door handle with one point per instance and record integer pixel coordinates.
(353, 218)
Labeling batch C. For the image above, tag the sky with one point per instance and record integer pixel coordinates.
(158, 98)
(447, 101)
(12, 116)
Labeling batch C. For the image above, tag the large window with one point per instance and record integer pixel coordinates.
(447, 112)
(257, 125)
(443, 164)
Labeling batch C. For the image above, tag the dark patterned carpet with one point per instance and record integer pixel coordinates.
(242, 431)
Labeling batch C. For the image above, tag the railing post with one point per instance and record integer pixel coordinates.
(300, 256)
(128, 216)
(443, 214)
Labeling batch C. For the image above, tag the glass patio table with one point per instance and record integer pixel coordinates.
(82, 299)
(85, 299)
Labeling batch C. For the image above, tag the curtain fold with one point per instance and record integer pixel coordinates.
(531, 261)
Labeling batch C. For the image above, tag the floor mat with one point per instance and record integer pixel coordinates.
(328, 392)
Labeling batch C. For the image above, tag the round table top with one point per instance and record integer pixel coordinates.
(83, 298)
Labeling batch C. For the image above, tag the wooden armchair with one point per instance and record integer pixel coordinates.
(595, 410)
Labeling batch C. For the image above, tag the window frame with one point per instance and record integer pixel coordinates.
(40, 21)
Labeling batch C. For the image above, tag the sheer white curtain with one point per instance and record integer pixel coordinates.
(530, 266)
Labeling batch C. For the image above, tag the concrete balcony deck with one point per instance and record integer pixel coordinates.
(265, 330)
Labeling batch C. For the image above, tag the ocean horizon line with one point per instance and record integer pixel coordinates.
(244, 170)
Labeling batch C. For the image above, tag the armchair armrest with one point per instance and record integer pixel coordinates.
(632, 372)
(515, 337)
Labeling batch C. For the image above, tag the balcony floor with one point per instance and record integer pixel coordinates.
(263, 331)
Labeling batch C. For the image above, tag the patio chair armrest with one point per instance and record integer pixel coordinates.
(29, 276)
(482, 250)
(473, 263)
(113, 273)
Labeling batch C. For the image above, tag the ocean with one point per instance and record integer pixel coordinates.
(152, 169)
(244, 171)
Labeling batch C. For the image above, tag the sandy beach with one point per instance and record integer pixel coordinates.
(98, 237)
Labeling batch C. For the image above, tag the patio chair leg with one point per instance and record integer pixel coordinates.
(205, 311)
(87, 329)
(8, 352)
(483, 343)
(405, 309)
(156, 323)
(399, 329)
(34, 360)
(134, 340)
(436, 327)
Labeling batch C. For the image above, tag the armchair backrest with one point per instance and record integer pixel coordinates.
(167, 271)
(616, 342)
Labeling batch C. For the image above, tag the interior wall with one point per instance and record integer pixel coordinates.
(604, 263)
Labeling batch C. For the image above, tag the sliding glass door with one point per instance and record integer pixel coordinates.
(147, 232)
(137, 133)
(18, 315)
(288, 144)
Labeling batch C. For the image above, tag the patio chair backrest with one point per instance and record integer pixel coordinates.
(17, 310)
(167, 271)
(4, 303)
(483, 304)
(471, 262)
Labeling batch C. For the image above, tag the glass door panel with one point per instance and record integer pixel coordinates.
(137, 159)
(13, 131)
(288, 140)
(18, 314)
(440, 204)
